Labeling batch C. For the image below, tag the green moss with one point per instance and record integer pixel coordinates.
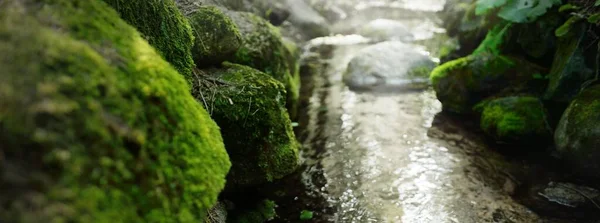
(249, 106)
(496, 41)
(306, 215)
(263, 211)
(462, 83)
(517, 120)
(163, 26)
(292, 86)
(95, 126)
(216, 36)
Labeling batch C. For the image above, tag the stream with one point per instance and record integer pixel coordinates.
(392, 156)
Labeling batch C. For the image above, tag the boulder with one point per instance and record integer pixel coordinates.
(95, 126)
(389, 64)
(307, 19)
(385, 29)
(464, 82)
(249, 106)
(577, 135)
(161, 23)
(515, 120)
(217, 38)
(570, 70)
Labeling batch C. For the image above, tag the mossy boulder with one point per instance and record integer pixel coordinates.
(216, 36)
(292, 54)
(462, 83)
(515, 120)
(161, 23)
(577, 136)
(95, 126)
(571, 67)
(249, 106)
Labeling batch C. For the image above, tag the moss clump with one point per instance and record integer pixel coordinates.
(95, 126)
(306, 215)
(262, 48)
(263, 211)
(462, 83)
(578, 133)
(515, 120)
(216, 37)
(163, 26)
(249, 106)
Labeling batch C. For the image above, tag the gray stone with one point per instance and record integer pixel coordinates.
(569, 194)
(389, 64)
(385, 29)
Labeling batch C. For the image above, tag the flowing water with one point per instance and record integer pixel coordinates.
(391, 156)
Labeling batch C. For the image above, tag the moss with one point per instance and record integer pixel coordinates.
(497, 40)
(292, 86)
(163, 26)
(462, 83)
(249, 106)
(95, 126)
(515, 120)
(306, 215)
(263, 211)
(216, 36)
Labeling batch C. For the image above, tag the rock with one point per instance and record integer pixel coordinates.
(307, 19)
(569, 69)
(388, 64)
(216, 36)
(537, 39)
(569, 194)
(249, 106)
(263, 49)
(577, 136)
(385, 29)
(163, 26)
(292, 54)
(217, 214)
(95, 126)
(462, 83)
(262, 211)
(515, 120)
(461, 21)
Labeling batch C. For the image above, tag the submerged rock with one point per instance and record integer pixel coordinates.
(462, 83)
(569, 69)
(95, 126)
(515, 120)
(216, 36)
(249, 106)
(161, 23)
(385, 29)
(389, 64)
(577, 136)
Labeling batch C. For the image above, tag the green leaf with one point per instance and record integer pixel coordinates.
(564, 28)
(483, 6)
(597, 3)
(594, 18)
(568, 7)
(521, 11)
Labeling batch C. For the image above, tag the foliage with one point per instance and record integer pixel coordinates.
(306, 215)
(519, 11)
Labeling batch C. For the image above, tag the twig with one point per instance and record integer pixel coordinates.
(583, 194)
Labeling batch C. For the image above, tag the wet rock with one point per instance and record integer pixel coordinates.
(216, 37)
(95, 125)
(570, 195)
(249, 106)
(515, 120)
(569, 69)
(537, 39)
(262, 211)
(577, 136)
(307, 19)
(163, 26)
(389, 64)
(263, 48)
(385, 29)
(462, 83)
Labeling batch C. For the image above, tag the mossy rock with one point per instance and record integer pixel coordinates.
(577, 136)
(515, 120)
(216, 36)
(95, 126)
(260, 212)
(249, 106)
(292, 55)
(462, 83)
(571, 68)
(161, 23)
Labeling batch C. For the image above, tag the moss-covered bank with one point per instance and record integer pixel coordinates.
(94, 125)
